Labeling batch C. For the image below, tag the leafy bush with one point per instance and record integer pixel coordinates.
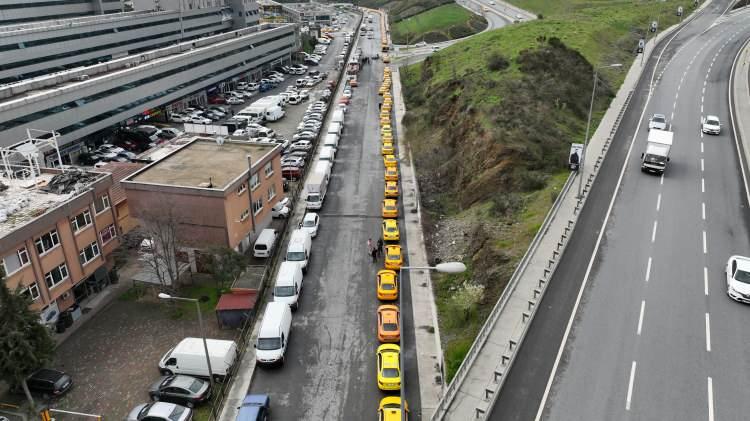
(497, 62)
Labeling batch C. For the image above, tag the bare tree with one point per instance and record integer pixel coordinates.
(161, 226)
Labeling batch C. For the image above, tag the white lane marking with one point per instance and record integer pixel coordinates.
(708, 333)
(701, 146)
(710, 399)
(640, 318)
(648, 269)
(671, 117)
(653, 232)
(630, 387)
(703, 185)
(702, 168)
(705, 280)
(703, 210)
(705, 250)
(661, 179)
(704, 90)
(702, 97)
(658, 202)
(701, 110)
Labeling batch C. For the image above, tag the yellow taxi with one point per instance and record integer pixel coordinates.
(386, 107)
(393, 258)
(387, 148)
(389, 209)
(385, 121)
(385, 114)
(390, 409)
(390, 161)
(386, 58)
(391, 174)
(382, 90)
(387, 97)
(386, 129)
(387, 138)
(388, 326)
(387, 69)
(387, 283)
(390, 230)
(389, 369)
(391, 189)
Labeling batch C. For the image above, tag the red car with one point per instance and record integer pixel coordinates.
(291, 173)
(216, 100)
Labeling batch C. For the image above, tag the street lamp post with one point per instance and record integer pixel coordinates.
(165, 296)
(448, 267)
(588, 124)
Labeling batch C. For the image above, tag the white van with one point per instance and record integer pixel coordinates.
(332, 140)
(288, 284)
(273, 335)
(189, 357)
(264, 243)
(274, 113)
(338, 116)
(298, 249)
(335, 128)
(327, 153)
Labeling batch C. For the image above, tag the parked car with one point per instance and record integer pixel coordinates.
(253, 86)
(235, 101)
(305, 135)
(183, 390)
(160, 411)
(200, 120)
(293, 161)
(279, 210)
(254, 408)
(302, 145)
(48, 382)
(291, 172)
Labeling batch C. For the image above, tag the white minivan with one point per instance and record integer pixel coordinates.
(298, 249)
(327, 153)
(264, 243)
(273, 335)
(288, 284)
(335, 128)
(332, 140)
(189, 357)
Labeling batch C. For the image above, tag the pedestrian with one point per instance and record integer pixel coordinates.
(369, 245)
(374, 254)
(380, 246)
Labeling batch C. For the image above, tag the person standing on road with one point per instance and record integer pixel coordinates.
(374, 255)
(369, 245)
(380, 246)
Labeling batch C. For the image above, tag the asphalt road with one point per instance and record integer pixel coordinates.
(665, 361)
(330, 370)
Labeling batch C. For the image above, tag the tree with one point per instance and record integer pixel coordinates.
(25, 344)
(161, 226)
(226, 265)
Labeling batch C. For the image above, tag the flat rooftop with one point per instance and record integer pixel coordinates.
(203, 161)
(23, 200)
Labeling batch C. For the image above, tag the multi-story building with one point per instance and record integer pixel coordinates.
(218, 193)
(17, 11)
(57, 231)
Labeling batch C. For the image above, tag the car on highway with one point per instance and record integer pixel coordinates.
(738, 278)
(388, 324)
(254, 408)
(389, 369)
(420, 44)
(393, 257)
(310, 224)
(389, 409)
(435, 48)
(160, 411)
(391, 189)
(390, 161)
(390, 231)
(391, 174)
(387, 148)
(711, 125)
(389, 209)
(180, 389)
(387, 284)
(657, 121)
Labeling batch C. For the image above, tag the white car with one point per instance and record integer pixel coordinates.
(295, 99)
(240, 133)
(310, 224)
(160, 411)
(279, 210)
(435, 48)
(179, 118)
(252, 86)
(711, 125)
(738, 278)
(420, 44)
(200, 120)
(347, 93)
(657, 121)
(302, 145)
(233, 100)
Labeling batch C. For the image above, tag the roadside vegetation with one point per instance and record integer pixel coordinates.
(402, 9)
(442, 23)
(490, 121)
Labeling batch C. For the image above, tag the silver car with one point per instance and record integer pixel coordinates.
(158, 411)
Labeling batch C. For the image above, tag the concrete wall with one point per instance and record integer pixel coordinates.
(30, 9)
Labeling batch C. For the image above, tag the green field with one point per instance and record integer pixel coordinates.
(439, 24)
(490, 120)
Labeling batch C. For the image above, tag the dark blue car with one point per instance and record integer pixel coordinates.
(254, 408)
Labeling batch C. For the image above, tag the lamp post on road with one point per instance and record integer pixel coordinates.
(447, 267)
(165, 296)
(588, 124)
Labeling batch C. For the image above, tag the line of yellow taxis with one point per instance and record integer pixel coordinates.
(389, 329)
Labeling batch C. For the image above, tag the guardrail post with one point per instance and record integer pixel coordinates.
(550, 263)
(541, 283)
(512, 344)
(555, 253)
(546, 272)
(531, 304)
(504, 359)
(537, 292)
(497, 374)
(524, 317)
(487, 393)
(479, 413)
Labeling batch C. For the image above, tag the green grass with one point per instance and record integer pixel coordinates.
(432, 25)
(184, 309)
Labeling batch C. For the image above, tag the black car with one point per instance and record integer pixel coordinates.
(48, 382)
(180, 389)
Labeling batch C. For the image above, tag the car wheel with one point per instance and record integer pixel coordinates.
(155, 398)
(190, 404)
(166, 372)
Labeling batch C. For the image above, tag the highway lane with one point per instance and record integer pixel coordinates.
(330, 371)
(667, 339)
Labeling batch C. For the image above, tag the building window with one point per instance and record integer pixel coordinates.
(268, 170)
(245, 215)
(15, 261)
(108, 233)
(101, 204)
(47, 242)
(271, 192)
(81, 221)
(32, 291)
(254, 181)
(257, 206)
(89, 253)
(241, 189)
(56, 275)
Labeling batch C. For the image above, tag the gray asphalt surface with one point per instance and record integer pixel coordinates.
(672, 361)
(330, 370)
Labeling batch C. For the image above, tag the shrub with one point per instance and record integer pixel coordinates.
(496, 62)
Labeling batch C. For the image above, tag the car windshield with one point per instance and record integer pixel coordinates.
(390, 327)
(308, 223)
(658, 119)
(177, 413)
(390, 228)
(742, 276)
(387, 287)
(393, 256)
(287, 291)
(295, 256)
(268, 344)
(313, 198)
(195, 386)
(390, 373)
(712, 122)
(655, 158)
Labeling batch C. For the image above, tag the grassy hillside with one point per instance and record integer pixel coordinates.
(402, 9)
(442, 23)
(490, 121)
